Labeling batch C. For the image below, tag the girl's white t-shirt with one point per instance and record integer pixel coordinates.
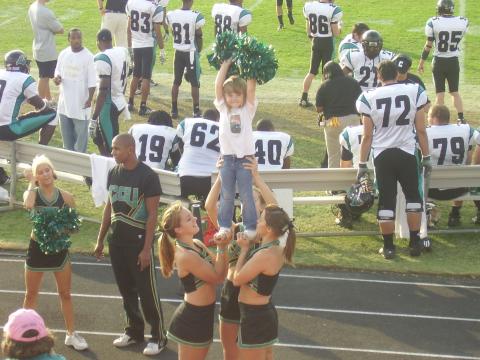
(236, 134)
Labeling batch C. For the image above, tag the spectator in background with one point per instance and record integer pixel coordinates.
(336, 99)
(352, 41)
(114, 19)
(75, 73)
(272, 148)
(45, 26)
(199, 140)
(25, 336)
(156, 142)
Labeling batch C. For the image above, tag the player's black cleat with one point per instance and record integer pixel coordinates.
(291, 19)
(280, 27)
(415, 247)
(461, 121)
(453, 220)
(387, 253)
(144, 110)
(304, 103)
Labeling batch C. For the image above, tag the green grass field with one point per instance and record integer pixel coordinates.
(400, 23)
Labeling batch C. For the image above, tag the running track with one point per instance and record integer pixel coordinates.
(323, 314)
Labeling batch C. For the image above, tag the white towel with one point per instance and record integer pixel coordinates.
(4, 196)
(101, 165)
(401, 224)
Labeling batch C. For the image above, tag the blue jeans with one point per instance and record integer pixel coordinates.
(74, 133)
(233, 172)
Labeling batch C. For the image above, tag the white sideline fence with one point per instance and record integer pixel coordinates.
(73, 166)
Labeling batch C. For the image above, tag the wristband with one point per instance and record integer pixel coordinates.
(362, 164)
(425, 54)
(426, 157)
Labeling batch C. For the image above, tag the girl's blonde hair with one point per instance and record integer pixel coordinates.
(235, 84)
(170, 220)
(22, 350)
(42, 160)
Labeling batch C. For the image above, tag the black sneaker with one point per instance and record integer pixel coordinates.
(453, 220)
(291, 19)
(426, 244)
(415, 247)
(388, 253)
(304, 103)
(196, 114)
(280, 27)
(144, 111)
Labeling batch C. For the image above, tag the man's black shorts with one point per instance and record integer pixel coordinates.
(322, 51)
(142, 62)
(46, 69)
(183, 63)
(446, 69)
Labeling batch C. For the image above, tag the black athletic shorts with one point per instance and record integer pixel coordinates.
(46, 69)
(193, 185)
(446, 69)
(258, 326)
(447, 194)
(229, 309)
(183, 63)
(192, 325)
(39, 261)
(322, 51)
(392, 166)
(142, 62)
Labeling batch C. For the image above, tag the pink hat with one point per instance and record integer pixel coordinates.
(22, 321)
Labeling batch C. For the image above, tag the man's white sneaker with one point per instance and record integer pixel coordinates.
(124, 340)
(152, 349)
(76, 341)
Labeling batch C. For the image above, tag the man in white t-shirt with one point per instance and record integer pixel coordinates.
(75, 73)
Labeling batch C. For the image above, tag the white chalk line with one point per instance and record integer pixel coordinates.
(280, 307)
(309, 347)
(312, 277)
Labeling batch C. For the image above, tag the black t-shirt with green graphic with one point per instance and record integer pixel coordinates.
(127, 191)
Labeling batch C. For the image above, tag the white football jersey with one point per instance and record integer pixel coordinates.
(200, 147)
(114, 62)
(153, 143)
(449, 144)
(447, 32)
(230, 17)
(348, 43)
(15, 88)
(184, 23)
(350, 138)
(143, 14)
(320, 16)
(392, 109)
(271, 148)
(363, 68)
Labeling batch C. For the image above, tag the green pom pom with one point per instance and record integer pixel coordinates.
(251, 58)
(52, 228)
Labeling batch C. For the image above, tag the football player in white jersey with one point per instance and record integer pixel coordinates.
(186, 26)
(201, 150)
(17, 86)
(323, 23)
(156, 141)
(363, 64)
(352, 41)
(445, 31)
(273, 149)
(396, 113)
(450, 144)
(230, 17)
(112, 66)
(145, 17)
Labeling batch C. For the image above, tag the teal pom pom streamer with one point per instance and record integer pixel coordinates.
(52, 228)
(251, 58)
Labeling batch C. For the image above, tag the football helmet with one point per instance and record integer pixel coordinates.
(16, 60)
(403, 62)
(360, 197)
(372, 43)
(445, 7)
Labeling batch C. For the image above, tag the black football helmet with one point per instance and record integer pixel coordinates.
(16, 60)
(360, 197)
(403, 63)
(372, 43)
(445, 7)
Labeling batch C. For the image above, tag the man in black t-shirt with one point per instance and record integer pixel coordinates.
(114, 19)
(336, 99)
(131, 214)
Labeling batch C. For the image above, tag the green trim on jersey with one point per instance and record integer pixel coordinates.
(419, 92)
(364, 100)
(105, 121)
(28, 81)
(430, 23)
(127, 220)
(158, 10)
(103, 57)
(346, 137)
(348, 46)
(472, 131)
(337, 10)
(199, 17)
(349, 59)
(182, 125)
(243, 13)
(290, 143)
